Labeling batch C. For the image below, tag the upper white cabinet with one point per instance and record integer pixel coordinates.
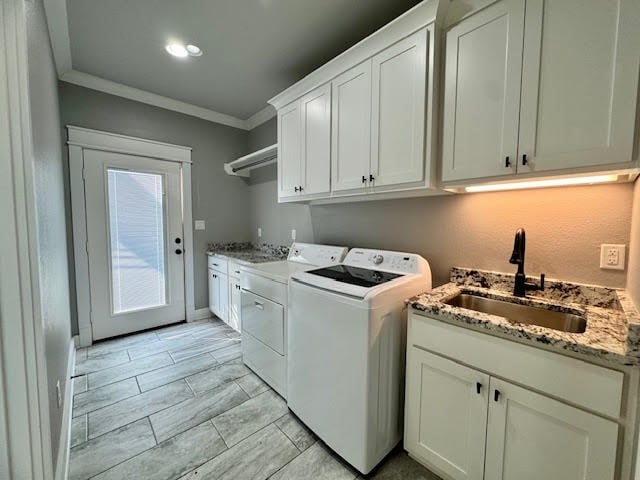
(289, 150)
(482, 93)
(351, 128)
(316, 141)
(365, 121)
(579, 83)
(399, 84)
(549, 87)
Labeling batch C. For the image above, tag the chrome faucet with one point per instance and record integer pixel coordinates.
(521, 286)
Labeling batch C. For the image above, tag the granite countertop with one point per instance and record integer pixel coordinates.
(248, 253)
(613, 323)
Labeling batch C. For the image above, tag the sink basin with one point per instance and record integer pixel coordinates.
(565, 322)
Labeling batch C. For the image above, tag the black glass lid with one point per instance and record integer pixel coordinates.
(363, 277)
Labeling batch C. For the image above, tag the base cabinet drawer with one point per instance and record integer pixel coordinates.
(269, 365)
(264, 320)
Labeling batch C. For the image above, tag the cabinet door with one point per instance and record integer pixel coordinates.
(351, 128)
(482, 93)
(223, 285)
(316, 141)
(289, 150)
(214, 293)
(398, 109)
(530, 436)
(446, 414)
(579, 84)
(235, 304)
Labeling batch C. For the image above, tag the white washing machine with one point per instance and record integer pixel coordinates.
(346, 350)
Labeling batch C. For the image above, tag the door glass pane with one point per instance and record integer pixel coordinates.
(137, 240)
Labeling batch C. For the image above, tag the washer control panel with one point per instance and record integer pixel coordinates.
(385, 260)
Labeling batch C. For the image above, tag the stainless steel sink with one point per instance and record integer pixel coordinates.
(543, 317)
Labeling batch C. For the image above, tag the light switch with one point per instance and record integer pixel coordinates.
(200, 225)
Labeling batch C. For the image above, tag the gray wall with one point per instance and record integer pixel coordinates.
(50, 210)
(565, 226)
(218, 198)
(633, 281)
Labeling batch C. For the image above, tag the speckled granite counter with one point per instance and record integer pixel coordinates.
(613, 323)
(248, 253)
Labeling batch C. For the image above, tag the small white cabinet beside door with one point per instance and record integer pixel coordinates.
(446, 416)
(531, 436)
(398, 109)
(351, 129)
(289, 150)
(482, 93)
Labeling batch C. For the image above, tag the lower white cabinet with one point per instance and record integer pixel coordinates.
(214, 292)
(465, 424)
(235, 304)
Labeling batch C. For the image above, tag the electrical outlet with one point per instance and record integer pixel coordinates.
(200, 225)
(259, 232)
(612, 256)
(59, 394)
(293, 234)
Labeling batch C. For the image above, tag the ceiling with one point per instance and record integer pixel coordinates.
(253, 49)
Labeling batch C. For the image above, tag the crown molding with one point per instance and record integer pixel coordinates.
(56, 13)
(258, 118)
(114, 88)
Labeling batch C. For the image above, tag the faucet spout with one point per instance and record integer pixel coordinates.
(520, 285)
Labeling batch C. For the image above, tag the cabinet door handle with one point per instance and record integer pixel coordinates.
(478, 387)
(371, 178)
(300, 188)
(507, 162)
(524, 159)
(364, 179)
(295, 189)
(496, 395)
(259, 305)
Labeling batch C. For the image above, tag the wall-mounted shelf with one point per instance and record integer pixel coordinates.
(243, 165)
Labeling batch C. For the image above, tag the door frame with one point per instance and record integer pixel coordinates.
(81, 139)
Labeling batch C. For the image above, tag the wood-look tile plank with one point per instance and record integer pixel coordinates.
(128, 370)
(79, 384)
(141, 351)
(100, 397)
(255, 458)
(204, 346)
(97, 455)
(316, 462)
(226, 354)
(299, 434)
(78, 431)
(100, 362)
(191, 412)
(168, 374)
(171, 458)
(247, 418)
(252, 384)
(122, 343)
(216, 376)
(136, 407)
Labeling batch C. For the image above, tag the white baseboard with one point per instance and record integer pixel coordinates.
(76, 340)
(62, 463)
(201, 314)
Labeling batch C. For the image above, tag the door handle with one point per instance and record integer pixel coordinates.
(478, 387)
(364, 179)
(496, 395)
(259, 305)
(507, 162)
(371, 178)
(178, 251)
(524, 160)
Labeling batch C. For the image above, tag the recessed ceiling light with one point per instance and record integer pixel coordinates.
(177, 50)
(194, 50)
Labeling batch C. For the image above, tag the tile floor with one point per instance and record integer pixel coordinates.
(178, 402)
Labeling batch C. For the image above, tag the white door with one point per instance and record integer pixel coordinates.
(482, 93)
(134, 232)
(532, 437)
(316, 141)
(399, 85)
(289, 151)
(214, 292)
(446, 414)
(579, 83)
(351, 128)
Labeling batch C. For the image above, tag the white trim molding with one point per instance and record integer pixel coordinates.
(258, 118)
(56, 12)
(84, 138)
(62, 464)
(121, 90)
(201, 314)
